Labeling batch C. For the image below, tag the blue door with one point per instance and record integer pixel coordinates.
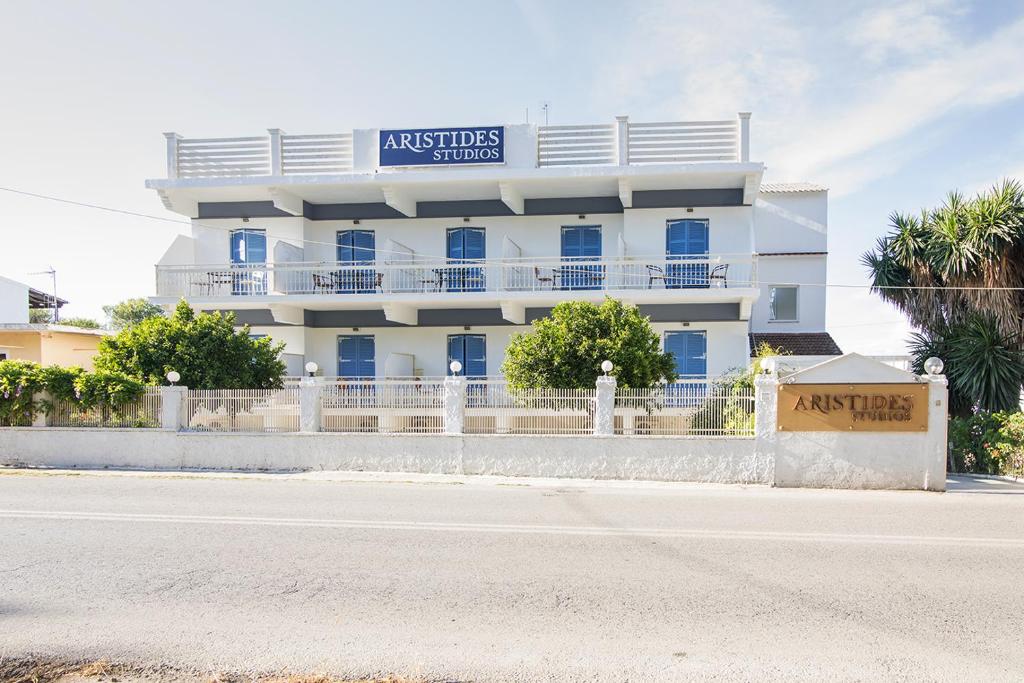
(248, 261)
(471, 351)
(465, 246)
(691, 354)
(581, 243)
(356, 248)
(686, 239)
(357, 356)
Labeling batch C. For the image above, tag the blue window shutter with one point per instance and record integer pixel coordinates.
(686, 238)
(357, 356)
(475, 246)
(456, 351)
(255, 246)
(238, 246)
(590, 238)
(690, 351)
(367, 356)
(456, 243)
(363, 246)
(476, 355)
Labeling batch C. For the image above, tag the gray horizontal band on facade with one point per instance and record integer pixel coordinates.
(447, 317)
(556, 206)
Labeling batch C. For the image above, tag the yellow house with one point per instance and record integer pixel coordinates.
(49, 344)
(45, 344)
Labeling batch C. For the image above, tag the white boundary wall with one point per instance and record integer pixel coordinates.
(865, 460)
(719, 460)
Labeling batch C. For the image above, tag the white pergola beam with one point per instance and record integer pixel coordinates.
(514, 312)
(626, 193)
(399, 201)
(177, 204)
(513, 198)
(401, 313)
(285, 201)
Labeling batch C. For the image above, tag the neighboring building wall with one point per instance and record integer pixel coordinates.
(64, 348)
(13, 301)
(21, 345)
(808, 273)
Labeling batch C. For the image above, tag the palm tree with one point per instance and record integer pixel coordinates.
(957, 273)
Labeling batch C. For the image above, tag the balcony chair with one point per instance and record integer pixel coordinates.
(543, 280)
(719, 274)
(654, 273)
(325, 283)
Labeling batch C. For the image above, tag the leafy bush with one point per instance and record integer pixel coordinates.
(988, 443)
(566, 349)
(204, 348)
(18, 382)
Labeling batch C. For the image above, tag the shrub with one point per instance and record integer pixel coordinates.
(988, 443)
(18, 382)
(565, 350)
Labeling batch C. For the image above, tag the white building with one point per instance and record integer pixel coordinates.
(389, 253)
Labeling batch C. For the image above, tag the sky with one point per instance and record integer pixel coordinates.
(890, 104)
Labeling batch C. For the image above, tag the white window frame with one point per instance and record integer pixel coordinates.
(796, 304)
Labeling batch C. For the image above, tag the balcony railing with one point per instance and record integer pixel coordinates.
(619, 143)
(459, 277)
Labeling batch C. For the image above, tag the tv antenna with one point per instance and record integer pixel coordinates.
(545, 107)
(53, 276)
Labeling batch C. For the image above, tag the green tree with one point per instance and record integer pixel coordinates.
(204, 348)
(565, 350)
(84, 323)
(957, 273)
(131, 312)
(40, 316)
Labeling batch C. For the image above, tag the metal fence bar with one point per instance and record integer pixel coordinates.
(492, 407)
(143, 413)
(686, 408)
(242, 410)
(407, 406)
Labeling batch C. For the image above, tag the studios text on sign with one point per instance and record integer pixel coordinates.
(853, 408)
(442, 146)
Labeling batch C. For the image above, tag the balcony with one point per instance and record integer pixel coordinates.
(403, 287)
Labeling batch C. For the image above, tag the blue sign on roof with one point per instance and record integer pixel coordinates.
(442, 146)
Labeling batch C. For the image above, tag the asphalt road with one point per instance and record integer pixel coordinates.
(514, 580)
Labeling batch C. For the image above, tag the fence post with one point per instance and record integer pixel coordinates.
(743, 137)
(276, 159)
(766, 407)
(172, 155)
(309, 405)
(604, 406)
(454, 405)
(172, 407)
(39, 417)
(622, 140)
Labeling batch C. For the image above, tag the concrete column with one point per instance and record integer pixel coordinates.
(766, 410)
(172, 407)
(744, 136)
(172, 154)
(276, 162)
(309, 405)
(604, 406)
(622, 140)
(454, 405)
(40, 418)
(938, 421)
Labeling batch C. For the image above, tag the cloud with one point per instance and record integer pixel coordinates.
(906, 29)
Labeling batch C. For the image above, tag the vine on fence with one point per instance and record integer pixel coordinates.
(23, 383)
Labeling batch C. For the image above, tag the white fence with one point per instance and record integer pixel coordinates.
(493, 275)
(685, 409)
(680, 142)
(415, 406)
(243, 410)
(492, 407)
(143, 413)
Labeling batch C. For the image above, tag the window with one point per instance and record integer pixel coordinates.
(581, 243)
(3, 356)
(357, 356)
(465, 245)
(248, 258)
(354, 248)
(690, 350)
(471, 351)
(686, 240)
(782, 304)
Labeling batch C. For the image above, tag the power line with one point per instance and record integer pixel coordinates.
(291, 238)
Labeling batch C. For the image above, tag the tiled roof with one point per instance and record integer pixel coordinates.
(792, 187)
(797, 343)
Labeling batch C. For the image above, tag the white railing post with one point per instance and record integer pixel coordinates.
(604, 406)
(39, 417)
(766, 407)
(454, 405)
(310, 411)
(622, 140)
(172, 154)
(276, 161)
(172, 407)
(743, 134)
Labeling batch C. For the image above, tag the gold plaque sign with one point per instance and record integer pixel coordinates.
(853, 408)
